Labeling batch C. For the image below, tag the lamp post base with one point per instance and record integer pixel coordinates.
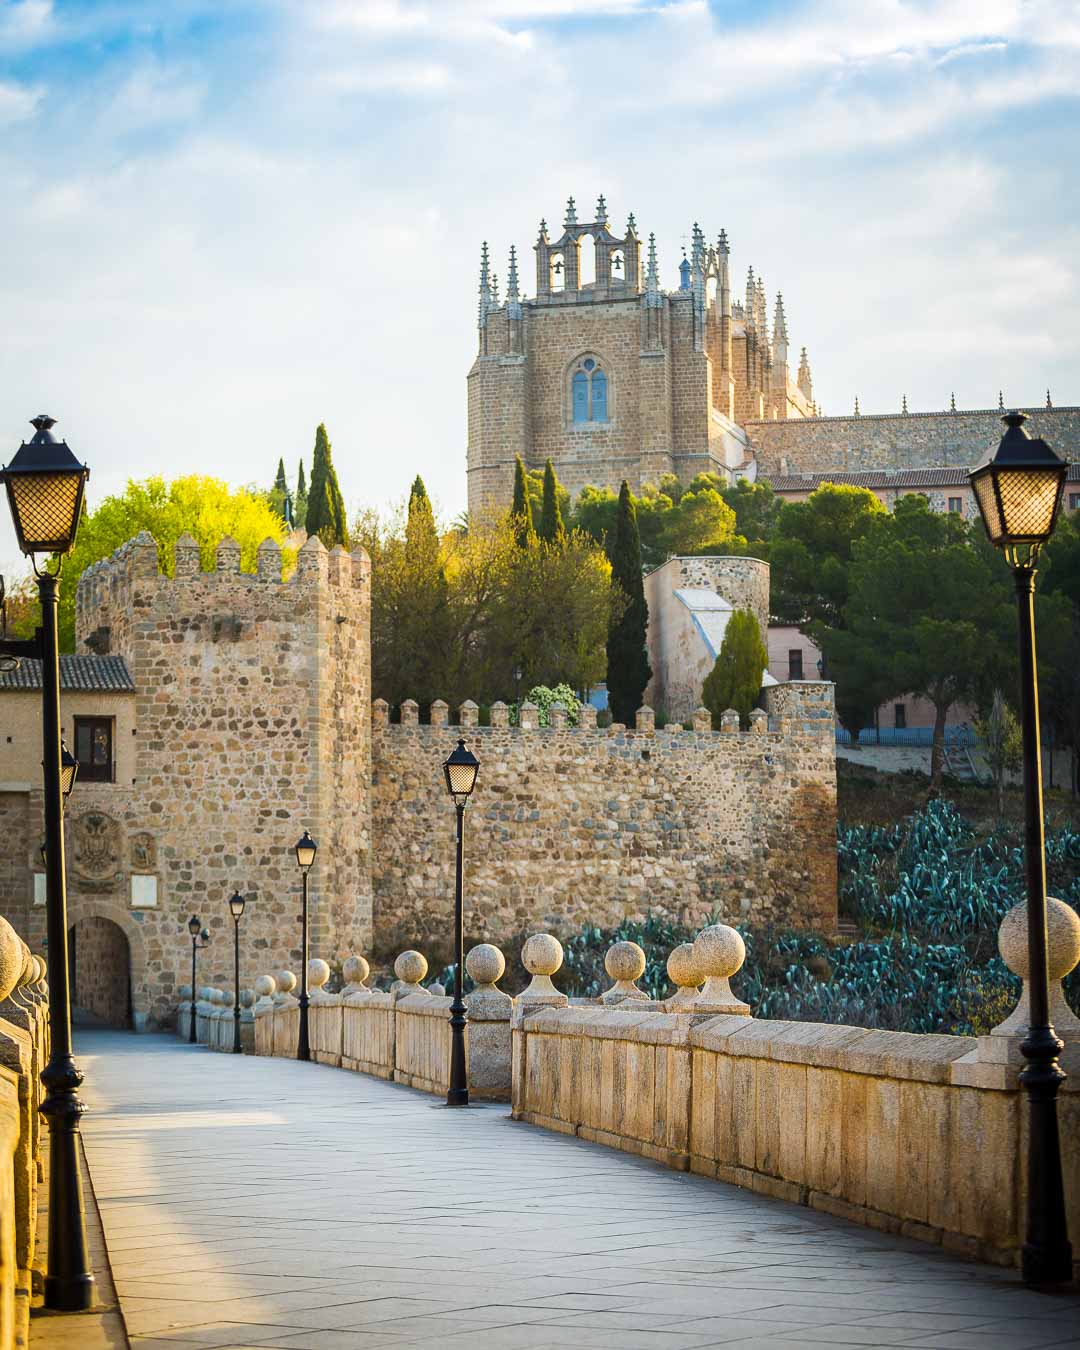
(69, 1283)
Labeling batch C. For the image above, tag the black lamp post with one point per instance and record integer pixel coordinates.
(1019, 489)
(460, 770)
(236, 909)
(197, 931)
(306, 848)
(45, 485)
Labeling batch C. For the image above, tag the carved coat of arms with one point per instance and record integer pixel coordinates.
(97, 849)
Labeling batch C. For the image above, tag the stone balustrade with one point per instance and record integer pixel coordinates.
(24, 1049)
(917, 1134)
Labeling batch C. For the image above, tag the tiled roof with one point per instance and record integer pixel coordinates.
(95, 674)
(885, 478)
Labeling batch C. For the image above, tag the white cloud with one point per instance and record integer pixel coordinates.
(18, 101)
(24, 23)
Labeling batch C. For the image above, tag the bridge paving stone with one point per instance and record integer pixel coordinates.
(253, 1202)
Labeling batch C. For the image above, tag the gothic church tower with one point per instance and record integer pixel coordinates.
(612, 377)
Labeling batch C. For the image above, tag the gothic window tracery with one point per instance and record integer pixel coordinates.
(589, 390)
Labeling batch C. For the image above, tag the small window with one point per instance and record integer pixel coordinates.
(956, 505)
(794, 664)
(589, 391)
(1074, 501)
(94, 749)
(900, 716)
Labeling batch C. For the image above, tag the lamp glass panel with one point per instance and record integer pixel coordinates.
(67, 777)
(461, 778)
(1028, 499)
(236, 906)
(193, 926)
(45, 505)
(988, 506)
(305, 852)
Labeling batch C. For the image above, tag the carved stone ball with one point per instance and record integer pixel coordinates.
(682, 968)
(227, 999)
(247, 997)
(625, 961)
(719, 951)
(1062, 939)
(411, 967)
(185, 993)
(356, 970)
(42, 967)
(265, 986)
(542, 954)
(286, 981)
(12, 958)
(485, 963)
(318, 972)
(26, 975)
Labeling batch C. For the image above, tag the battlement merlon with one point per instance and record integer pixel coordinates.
(793, 709)
(110, 594)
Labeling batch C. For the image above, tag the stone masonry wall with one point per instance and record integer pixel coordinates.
(577, 825)
(252, 724)
(899, 441)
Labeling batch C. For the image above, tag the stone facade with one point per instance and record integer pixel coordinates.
(680, 366)
(899, 440)
(251, 722)
(580, 825)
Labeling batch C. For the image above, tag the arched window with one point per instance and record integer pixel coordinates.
(589, 391)
(557, 273)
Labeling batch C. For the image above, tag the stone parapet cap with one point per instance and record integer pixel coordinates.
(370, 998)
(620, 1023)
(910, 416)
(424, 1004)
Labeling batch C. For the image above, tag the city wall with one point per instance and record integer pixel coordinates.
(899, 440)
(574, 825)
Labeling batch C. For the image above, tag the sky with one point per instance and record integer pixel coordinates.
(225, 221)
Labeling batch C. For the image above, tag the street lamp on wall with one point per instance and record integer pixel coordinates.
(197, 931)
(45, 486)
(460, 771)
(1018, 489)
(306, 848)
(236, 909)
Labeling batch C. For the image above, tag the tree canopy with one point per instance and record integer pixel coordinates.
(628, 670)
(735, 679)
(206, 508)
(325, 514)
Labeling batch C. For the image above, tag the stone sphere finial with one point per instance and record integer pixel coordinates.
(1062, 956)
(355, 970)
(227, 999)
(719, 952)
(486, 965)
(683, 973)
(12, 958)
(247, 998)
(266, 986)
(185, 993)
(43, 969)
(410, 968)
(625, 963)
(542, 955)
(318, 972)
(285, 979)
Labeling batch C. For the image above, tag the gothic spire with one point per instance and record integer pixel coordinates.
(952, 402)
(1001, 401)
(631, 226)
(779, 321)
(601, 210)
(722, 244)
(485, 285)
(1048, 403)
(903, 404)
(571, 212)
(543, 229)
(512, 292)
(857, 413)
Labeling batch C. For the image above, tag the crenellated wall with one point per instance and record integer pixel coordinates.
(570, 825)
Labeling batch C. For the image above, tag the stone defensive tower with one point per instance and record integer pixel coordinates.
(611, 376)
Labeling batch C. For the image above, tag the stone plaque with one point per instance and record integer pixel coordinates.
(97, 850)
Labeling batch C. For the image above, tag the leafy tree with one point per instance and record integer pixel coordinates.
(628, 670)
(735, 679)
(811, 555)
(999, 732)
(701, 522)
(521, 508)
(206, 508)
(551, 522)
(923, 599)
(757, 512)
(325, 506)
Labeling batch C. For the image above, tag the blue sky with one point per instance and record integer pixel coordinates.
(226, 222)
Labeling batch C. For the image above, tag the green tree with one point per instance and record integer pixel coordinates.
(551, 522)
(700, 522)
(521, 508)
(628, 670)
(811, 555)
(757, 512)
(325, 514)
(735, 679)
(206, 508)
(279, 492)
(280, 483)
(924, 600)
(300, 505)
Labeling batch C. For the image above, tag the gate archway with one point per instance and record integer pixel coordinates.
(100, 959)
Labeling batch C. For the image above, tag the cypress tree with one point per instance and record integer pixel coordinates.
(300, 505)
(280, 483)
(325, 504)
(301, 482)
(735, 679)
(551, 521)
(628, 670)
(521, 510)
(425, 625)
